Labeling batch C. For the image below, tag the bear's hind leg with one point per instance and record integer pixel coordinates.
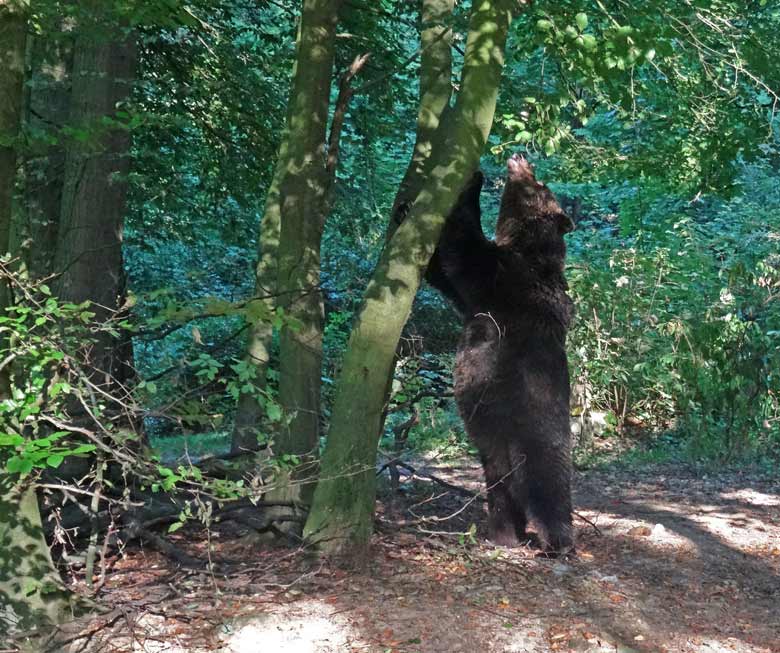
(502, 529)
(518, 489)
(549, 496)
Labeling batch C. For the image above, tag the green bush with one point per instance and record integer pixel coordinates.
(677, 320)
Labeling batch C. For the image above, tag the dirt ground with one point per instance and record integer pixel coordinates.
(672, 561)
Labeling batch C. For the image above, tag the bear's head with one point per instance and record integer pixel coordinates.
(530, 218)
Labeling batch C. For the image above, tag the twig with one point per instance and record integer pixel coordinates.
(440, 481)
(588, 521)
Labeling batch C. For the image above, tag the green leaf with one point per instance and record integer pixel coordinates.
(55, 460)
(582, 20)
(273, 411)
(13, 464)
(544, 25)
(17, 465)
(82, 449)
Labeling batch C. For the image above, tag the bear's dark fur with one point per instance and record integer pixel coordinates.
(511, 375)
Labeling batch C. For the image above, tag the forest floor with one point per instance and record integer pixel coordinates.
(672, 560)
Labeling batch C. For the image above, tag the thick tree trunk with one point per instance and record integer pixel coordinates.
(89, 249)
(304, 191)
(31, 592)
(289, 266)
(340, 520)
(47, 112)
(13, 24)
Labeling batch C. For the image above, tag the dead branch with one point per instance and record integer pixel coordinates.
(415, 474)
(339, 114)
(588, 521)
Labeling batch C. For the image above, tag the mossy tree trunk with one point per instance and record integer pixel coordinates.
(435, 95)
(31, 593)
(304, 190)
(288, 272)
(341, 516)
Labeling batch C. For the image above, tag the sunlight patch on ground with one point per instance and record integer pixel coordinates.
(752, 497)
(649, 531)
(303, 627)
(738, 528)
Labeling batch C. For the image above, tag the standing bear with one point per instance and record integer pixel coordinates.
(511, 374)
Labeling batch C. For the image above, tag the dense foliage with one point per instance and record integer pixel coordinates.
(663, 141)
(193, 228)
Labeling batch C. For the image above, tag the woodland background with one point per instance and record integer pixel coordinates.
(151, 369)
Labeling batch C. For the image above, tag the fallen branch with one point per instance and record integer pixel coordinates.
(415, 474)
(588, 521)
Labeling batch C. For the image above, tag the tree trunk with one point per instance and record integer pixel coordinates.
(435, 95)
(340, 520)
(47, 109)
(89, 249)
(249, 411)
(289, 266)
(304, 191)
(31, 592)
(13, 24)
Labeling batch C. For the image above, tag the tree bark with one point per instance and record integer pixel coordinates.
(46, 113)
(13, 22)
(435, 96)
(89, 249)
(288, 271)
(31, 592)
(304, 191)
(340, 520)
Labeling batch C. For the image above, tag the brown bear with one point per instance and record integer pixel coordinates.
(511, 374)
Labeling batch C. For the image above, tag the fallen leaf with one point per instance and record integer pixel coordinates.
(640, 531)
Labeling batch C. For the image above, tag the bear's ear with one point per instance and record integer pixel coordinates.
(565, 224)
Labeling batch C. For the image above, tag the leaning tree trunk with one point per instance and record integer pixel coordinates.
(31, 593)
(89, 249)
(435, 95)
(340, 520)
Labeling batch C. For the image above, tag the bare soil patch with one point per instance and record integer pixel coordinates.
(678, 562)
